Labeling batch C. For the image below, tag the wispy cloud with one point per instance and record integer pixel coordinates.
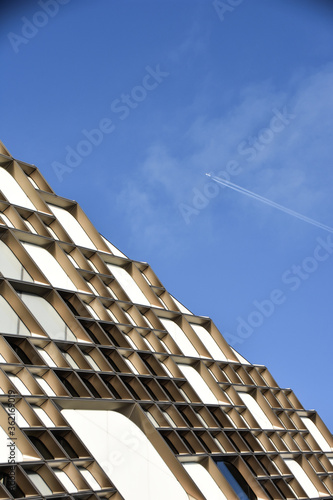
(295, 168)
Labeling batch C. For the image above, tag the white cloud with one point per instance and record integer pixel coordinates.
(292, 169)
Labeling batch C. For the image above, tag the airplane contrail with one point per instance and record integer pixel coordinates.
(271, 203)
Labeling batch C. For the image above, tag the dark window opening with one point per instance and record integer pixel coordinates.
(168, 393)
(112, 389)
(45, 452)
(71, 307)
(148, 365)
(69, 386)
(236, 480)
(170, 443)
(189, 446)
(113, 364)
(67, 447)
(150, 392)
(11, 485)
(91, 388)
(21, 354)
(131, 390)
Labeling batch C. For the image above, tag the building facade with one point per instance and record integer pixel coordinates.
(111, 388)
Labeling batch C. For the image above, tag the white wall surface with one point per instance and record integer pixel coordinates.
(126, 455)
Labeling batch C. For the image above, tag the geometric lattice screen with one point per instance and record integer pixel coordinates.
(110, 388)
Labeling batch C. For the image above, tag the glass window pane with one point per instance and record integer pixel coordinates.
(302, 478)
(19, 385)
(49, 266)
(204, 481)
(48, 317)
(10, 322)
(65, 481)
(39, 482)
(209, 342)
(72, 227)
(256, 410)
(198, 384)
(43, 416)
(45, 386)
(317, 435)
(46, 357)
(179, 337)
(128, 284)
(90, 479)
(236, 481)
(13, 191)
(10, 266)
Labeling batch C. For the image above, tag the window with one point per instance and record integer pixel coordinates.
(198, 384)
(49, 266)
(179, 337)
(302, 478)
(204, 481)
(5, 218)
(10, 266)
(317, 435)
(20, 386)
(39, 482)
(45, 386)
(131, 366)
(72, 227)
(92, 311)
(67, 447)
(43, 416)
(139, 459)
(11, 485)
(92, 362)
(208, 342)
(43, 450)
(46, 357)
(30, 226)
(19, 419)
(47, 317)
(129, 317)
(13, 191)
(236, 481)
(10, 322)
(128, 284)
(69, 359)
(256, 410)
(65, 481)
(90, 479)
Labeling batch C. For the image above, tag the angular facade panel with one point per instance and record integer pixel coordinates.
(111, 388)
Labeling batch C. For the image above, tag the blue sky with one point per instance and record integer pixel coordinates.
(125, 105)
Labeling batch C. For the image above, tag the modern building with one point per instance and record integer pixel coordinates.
(111, 388)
